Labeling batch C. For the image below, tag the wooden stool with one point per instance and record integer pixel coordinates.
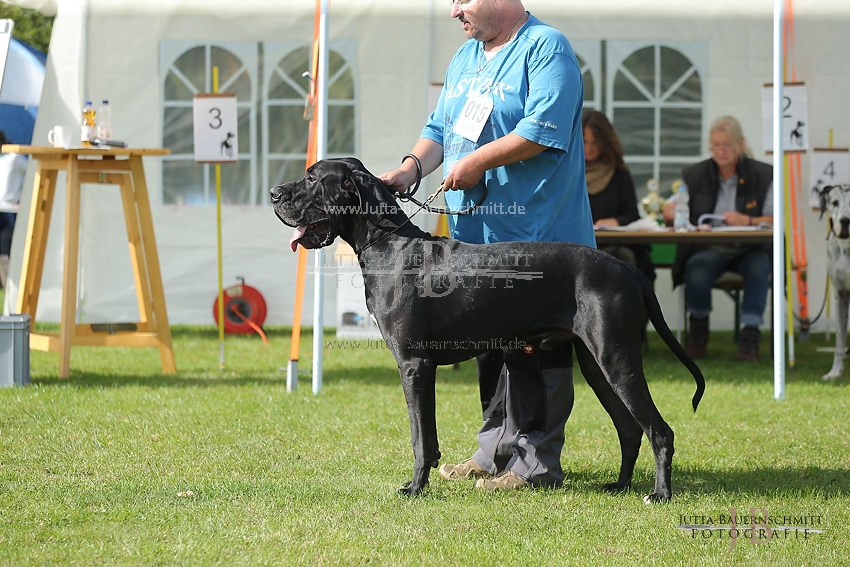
(733, 285)
(106, 166)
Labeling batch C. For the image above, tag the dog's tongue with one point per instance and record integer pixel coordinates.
(297, 235)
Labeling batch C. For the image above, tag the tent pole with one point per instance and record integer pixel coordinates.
(321, 151)
(779, 206)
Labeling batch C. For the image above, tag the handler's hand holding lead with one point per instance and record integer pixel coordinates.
(394, 181)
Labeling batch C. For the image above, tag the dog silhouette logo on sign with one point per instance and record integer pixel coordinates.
(797, 134)
(226, 146)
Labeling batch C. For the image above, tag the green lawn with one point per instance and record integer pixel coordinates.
(123, 465)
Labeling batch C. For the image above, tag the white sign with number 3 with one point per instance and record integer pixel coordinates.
(215, 128)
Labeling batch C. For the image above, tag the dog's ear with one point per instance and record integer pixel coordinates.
(354, 180)
(824, 194)
(356, 174)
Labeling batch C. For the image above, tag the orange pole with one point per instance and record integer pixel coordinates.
(295, 347)
(800, 267)
(789, 39)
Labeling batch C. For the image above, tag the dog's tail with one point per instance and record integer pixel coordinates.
(660, 324)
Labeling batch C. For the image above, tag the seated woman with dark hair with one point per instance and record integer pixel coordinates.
(613, 200)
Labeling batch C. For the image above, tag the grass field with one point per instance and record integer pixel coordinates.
(123, 465)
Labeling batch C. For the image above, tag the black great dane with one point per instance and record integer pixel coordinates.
(440, 301)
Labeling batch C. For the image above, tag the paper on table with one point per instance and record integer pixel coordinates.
(709, 218)
(760, 226)
(644, 224)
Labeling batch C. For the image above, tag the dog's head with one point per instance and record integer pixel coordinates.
(331, 200)
(835, 199)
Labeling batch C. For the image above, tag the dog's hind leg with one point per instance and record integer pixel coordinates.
(623, 369)
(629, 431)
(418, 376)
(635, 395)
(840, 337)
(634, 392)
(661, 438)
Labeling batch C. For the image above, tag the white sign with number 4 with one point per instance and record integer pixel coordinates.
(829, 167)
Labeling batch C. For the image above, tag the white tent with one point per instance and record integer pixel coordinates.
(120, 49)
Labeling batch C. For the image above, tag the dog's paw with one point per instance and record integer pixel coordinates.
(655, 499)
(615, 488)
(409, 490)
(835, 371)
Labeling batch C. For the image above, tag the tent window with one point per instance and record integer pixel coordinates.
(589, 83)
(655, 101)
(267, 79)
(185, 182)
(286, 93)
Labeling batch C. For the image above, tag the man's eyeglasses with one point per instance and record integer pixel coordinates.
(460, 3)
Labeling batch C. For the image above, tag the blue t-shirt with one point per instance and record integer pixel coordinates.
(536, 88)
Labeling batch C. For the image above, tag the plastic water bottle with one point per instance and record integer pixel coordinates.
(104, 121)
(87, 128)
(682, 218)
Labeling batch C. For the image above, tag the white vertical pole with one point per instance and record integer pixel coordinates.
(321, 150)
(778, 208)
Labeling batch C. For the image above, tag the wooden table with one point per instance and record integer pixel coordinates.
(723, 236)
(106, 166)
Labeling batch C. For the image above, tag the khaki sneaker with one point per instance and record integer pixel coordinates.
(505, 480)
(466, 469)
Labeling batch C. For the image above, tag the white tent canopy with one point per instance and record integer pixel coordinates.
(112, 49)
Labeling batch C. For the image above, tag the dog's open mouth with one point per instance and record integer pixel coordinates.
(315, 235)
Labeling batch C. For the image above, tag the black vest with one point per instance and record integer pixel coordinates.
(702, 180)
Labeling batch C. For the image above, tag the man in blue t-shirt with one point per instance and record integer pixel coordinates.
(507, 127)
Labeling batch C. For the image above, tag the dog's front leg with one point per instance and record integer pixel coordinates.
(840, 337)
(418, 379)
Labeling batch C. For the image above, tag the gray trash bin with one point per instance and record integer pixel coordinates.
(14, 350)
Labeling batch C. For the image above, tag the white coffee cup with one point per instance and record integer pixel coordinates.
(59, 137)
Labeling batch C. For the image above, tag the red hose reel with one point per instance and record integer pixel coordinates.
(244, 309)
